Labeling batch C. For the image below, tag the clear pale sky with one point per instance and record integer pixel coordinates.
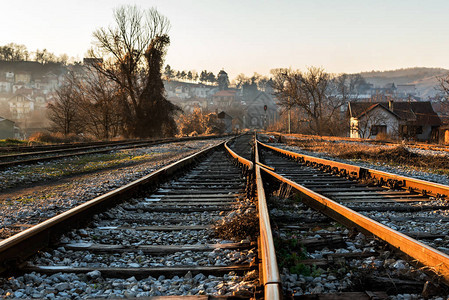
(246, 36)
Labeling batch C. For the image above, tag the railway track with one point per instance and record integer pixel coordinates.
(36, 154)
(159, 242)
(164, 234)
(350, 194)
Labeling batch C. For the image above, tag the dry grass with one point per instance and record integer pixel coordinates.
(238, 227)
(57, 138)
(393, 155)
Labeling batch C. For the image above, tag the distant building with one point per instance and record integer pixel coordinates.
(20, 106)
(406, 90)
(224, 98)
(410, 120)
(227, 121)
(22, 77)
(256, 116)
(90, 61)
(6, 129)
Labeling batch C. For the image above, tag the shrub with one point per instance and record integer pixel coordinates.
(57, 138)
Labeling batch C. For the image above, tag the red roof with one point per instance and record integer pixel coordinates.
(225, 93)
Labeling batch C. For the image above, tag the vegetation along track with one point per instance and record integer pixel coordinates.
(29, 155)
(298, 138)
(159, 242)
(316, 255)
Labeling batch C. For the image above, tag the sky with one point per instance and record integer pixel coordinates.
(247, 36)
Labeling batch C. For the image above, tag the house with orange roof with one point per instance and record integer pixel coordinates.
(224, 99)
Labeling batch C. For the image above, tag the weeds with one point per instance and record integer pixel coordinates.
(239, 227)
(11, 142)
(290, 254)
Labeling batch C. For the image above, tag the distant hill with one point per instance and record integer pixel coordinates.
(425, 79)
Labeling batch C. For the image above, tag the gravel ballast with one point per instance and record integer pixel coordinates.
(54, 194)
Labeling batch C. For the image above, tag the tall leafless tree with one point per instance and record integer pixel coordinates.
(99, 105)
(132, 55)
(318, 94)
(64, 112)
(444, 89)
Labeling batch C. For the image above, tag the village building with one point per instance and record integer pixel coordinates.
(224, 99)
(227, 121)
(406, 90)
(261, 111)
(405, 120)
(6, 129)
(22, 77)
(20, 106)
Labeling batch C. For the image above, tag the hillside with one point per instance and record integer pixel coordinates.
(425, 79)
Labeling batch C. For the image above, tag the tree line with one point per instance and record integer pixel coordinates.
(15, 53)
(205, 76)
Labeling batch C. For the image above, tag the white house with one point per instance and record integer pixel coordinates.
(411, 120)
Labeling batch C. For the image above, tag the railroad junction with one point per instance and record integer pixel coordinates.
(240, 218)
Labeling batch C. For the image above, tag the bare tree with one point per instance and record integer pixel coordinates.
(132, 56)
(44, 56)
(64, 111)
(444, 84)
(318, 94)
(99, 105)
(364, 126)
(444, 89)
(200, 123)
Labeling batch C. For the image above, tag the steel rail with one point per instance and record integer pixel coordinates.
(433, 259)
(425, 187)
(122, 146)
(265, 166)
(73, 149)
(353, 170)
(247, 163)
(419, 185)
(7, 164)
(270, 272)
(17, 248)
(67, 146)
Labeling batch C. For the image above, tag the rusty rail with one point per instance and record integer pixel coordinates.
(423, 186)
(245, 162)
(17, 248)
(121, 144)
(333, 165)
(270, 273)
(433, 259)
(418, 185)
